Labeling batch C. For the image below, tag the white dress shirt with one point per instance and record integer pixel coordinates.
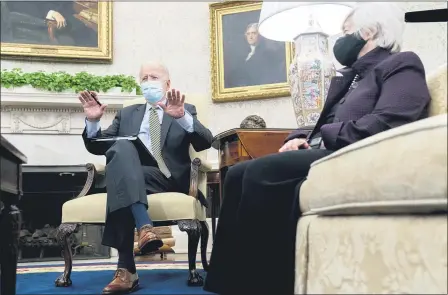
(252, 51)
(186, 122)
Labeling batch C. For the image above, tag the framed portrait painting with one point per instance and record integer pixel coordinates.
(57, 30)
(245, 65)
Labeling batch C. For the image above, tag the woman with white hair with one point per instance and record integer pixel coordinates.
(380, 88)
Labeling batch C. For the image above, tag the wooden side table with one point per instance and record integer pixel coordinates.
(239, 145)
(11, 160)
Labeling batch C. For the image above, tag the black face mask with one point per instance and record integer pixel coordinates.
(347, 48)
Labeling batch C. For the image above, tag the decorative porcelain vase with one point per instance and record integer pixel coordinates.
(310, 74)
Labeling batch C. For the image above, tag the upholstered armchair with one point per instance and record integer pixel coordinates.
(165, 209)
(375, 212)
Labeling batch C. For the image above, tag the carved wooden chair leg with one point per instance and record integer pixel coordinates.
(63, 234)
(193, 229)
(204, 242)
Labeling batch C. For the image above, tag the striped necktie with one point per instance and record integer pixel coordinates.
(154, 133)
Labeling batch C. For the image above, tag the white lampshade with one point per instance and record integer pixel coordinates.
(284, 21)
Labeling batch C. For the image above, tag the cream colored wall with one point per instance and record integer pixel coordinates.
(166, 31)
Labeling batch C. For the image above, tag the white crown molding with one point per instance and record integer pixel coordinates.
(32, 98)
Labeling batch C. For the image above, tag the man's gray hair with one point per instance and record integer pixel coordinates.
(252, 26)
(386, 19)
(157, 64)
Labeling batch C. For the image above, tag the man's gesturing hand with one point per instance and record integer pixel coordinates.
(294, 144)
(174, 104)
(92, 109)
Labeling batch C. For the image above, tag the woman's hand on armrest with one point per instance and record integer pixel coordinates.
(294, 144)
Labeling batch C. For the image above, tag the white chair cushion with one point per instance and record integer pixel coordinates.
(437, 84)
(400, 170)
(162, 207)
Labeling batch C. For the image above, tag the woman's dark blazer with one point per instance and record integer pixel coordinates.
(391, 92)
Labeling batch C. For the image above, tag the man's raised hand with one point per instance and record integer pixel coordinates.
(174, 104)
(92, 109)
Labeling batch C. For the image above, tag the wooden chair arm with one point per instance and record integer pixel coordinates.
(194, 177)
(89, 181)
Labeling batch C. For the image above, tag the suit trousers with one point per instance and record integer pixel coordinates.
(128, 182)
(259, 213)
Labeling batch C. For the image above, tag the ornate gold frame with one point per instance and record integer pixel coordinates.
(219, 93)
(101, 54)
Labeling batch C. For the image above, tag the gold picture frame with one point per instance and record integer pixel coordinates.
(240, 15)
(92, 18)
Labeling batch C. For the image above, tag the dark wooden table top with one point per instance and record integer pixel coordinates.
(217, 139)
(8, 148)
(54, 168)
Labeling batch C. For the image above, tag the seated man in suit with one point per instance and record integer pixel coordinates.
(167, 126)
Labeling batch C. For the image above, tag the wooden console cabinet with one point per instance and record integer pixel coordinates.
(11, 160)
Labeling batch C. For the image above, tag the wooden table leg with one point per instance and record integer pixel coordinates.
(9, 245)
(213, 189)
(212, 195)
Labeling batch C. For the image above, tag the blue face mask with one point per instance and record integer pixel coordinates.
(152, 91)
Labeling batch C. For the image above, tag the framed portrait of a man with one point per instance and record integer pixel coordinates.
(70, 30)
(245, 65)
